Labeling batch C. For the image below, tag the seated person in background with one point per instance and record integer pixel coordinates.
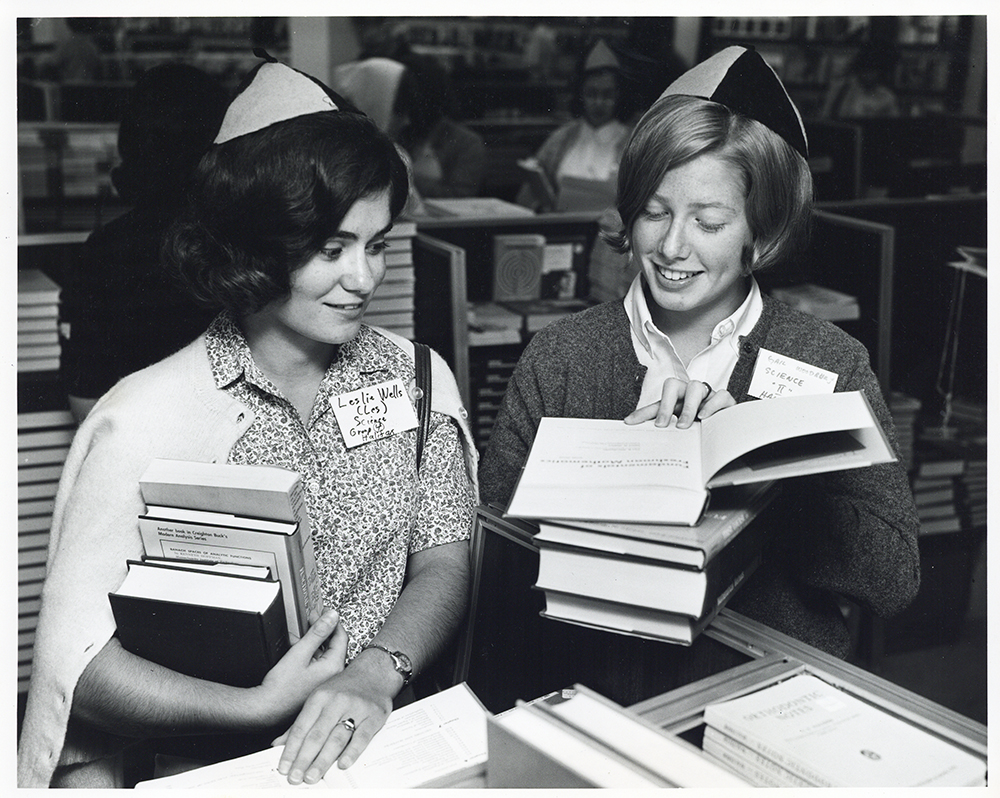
(714, 185)
(449, 159)
(590, 146)
(285, 232)
(120, 311)
(865, 90)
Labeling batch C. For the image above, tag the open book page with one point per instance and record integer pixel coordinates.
(421, 744)
(736, 431)
(605, 470)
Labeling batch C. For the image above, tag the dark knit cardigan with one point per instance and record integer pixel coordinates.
(849, 533)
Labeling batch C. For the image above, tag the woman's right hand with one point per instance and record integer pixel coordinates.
(685, 400)
(316, 657)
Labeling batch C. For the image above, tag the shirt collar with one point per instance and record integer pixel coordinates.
(737, 324)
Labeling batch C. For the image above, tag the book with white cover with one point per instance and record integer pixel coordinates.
(606, 470)
(834, 739)
(435, 742)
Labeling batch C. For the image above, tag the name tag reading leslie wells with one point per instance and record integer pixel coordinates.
(374, 412)
(777, 375)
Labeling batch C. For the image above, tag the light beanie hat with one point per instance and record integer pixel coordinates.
(738, 78)
(275, 93)
(601, 57)
(371, 84)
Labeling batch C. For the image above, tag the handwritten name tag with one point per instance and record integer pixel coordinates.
(777, 375)
(375, 412)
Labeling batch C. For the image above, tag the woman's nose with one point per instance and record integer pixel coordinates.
(360, 278)
(673, 244)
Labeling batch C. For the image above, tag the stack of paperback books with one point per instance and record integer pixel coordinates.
(228, 580)
(934, 494)
(646, 529)
(804, 732)
(37, 321)
(905, 410)
(577, 738)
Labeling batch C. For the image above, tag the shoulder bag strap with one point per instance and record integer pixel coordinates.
(422, 363)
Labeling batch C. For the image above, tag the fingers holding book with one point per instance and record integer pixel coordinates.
(683, 401)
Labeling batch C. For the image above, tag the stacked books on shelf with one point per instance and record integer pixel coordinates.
(43, 440)
(535, 314)
(904, 410)
(933, 485)
(436, 742)
(657, 581)
(37, 321)
(392, 305)
(973, 485)
(577, 738)
(491, 324)
(490, 371)
(805, 732)
(229, 578)
(819, 301)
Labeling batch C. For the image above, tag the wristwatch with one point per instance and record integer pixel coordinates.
(400, 661)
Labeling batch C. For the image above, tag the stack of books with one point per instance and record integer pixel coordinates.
(43, 440)
(392, 305)
(228, 580)
(933, 485)
(973, 484)
(536, 314)
(491, 324)
(804, 732)
(489, 375)
(646, 529)
(657, 581)
(577, 738)
(37, 321)
(904, 410)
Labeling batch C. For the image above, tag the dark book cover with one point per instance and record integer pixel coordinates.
(236, 647)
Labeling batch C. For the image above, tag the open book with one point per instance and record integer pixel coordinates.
(438, 741)
(606, 470)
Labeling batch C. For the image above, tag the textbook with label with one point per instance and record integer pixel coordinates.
(606, 470)
(244, 514)
(805, 729)
(438, 741)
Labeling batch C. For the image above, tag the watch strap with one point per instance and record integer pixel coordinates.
(400, 662)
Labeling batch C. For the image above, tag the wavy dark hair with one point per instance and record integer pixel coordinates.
(776, 180)
(264, 203)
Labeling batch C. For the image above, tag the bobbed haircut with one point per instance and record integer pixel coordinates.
(264, 203)
(777, 183)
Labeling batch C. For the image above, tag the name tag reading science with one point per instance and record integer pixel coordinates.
(777, 375)
(374, 412)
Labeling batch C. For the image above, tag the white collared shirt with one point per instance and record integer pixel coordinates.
(714, 364)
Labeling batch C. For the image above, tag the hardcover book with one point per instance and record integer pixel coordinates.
(220, 625)
(606, 470)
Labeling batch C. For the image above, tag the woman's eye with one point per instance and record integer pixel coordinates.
(378, 247)
(331, 253)
(710, 227)
(655, 214)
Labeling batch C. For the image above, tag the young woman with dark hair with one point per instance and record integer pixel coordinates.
(286, 234)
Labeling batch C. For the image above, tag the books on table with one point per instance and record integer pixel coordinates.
(606, 470)
(819, 301)
(438, 741)
(244, 514)
(577, 738)
(804, 729)
(224, 623)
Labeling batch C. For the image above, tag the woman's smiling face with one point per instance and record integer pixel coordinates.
(689, 241)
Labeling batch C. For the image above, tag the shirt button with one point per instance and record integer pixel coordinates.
(725, 328)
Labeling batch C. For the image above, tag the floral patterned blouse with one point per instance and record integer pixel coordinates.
(367, 508)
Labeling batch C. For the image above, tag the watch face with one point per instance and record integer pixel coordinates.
(404, 661)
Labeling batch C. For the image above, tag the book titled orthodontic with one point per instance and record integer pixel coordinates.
(606, 470)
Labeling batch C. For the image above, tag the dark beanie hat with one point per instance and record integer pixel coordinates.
(738, 78)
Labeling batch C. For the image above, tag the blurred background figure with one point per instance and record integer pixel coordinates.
(865, 90)
(120, 312)
(590, 146)
(77, 57)
(410, 102)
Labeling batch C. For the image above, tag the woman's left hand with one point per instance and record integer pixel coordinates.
(320, 735)
(685, 400)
